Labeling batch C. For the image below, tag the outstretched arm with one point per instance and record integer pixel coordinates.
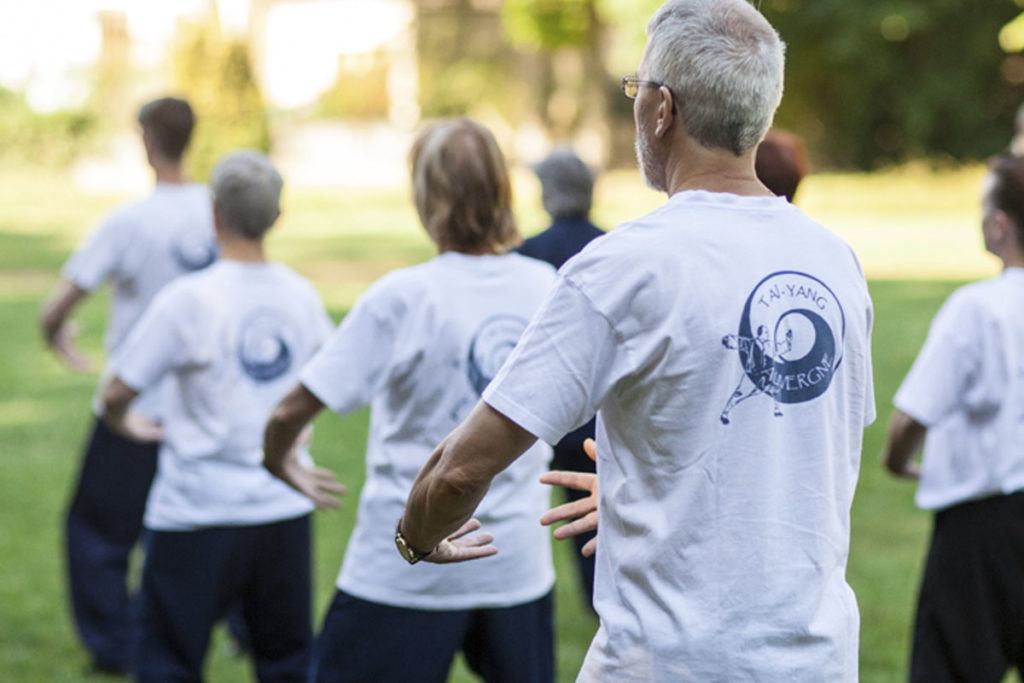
(58, 331)
(905, 438)
(454, 480)
(582, 513)
(287, 429)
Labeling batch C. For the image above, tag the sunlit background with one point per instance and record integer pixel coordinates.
(899, 103)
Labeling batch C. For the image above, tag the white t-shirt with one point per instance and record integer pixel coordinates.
(967, 388)
(140, 247)
(725, 342)
(419, 347)
(232, 339)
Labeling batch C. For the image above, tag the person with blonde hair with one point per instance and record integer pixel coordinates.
(419, 347)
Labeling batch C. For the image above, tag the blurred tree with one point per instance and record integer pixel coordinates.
(881, 81)
(54, 139)
(216, 76)
(360, 89)
(570, 83)
(464, 64)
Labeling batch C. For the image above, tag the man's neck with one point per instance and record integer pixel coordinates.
(695, 167)
(169, 172)
(233, 248)
(1013, 260)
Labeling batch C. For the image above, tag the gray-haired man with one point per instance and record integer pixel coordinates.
(222, 529)
(723, 543)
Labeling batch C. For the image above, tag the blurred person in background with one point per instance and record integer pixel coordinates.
(567, 193)
(229, 341)
(724, 533)
(964, 400)
(418, 348)
(138, 248)
(781, 163)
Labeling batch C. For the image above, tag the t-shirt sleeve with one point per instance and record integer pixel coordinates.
(158, 343)
(352, 364)
(948, 372)
(98, 257)
(563, 367)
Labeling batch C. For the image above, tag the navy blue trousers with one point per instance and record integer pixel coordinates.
(190, 580)
(103, 524)
(367, 642)
(970, 612)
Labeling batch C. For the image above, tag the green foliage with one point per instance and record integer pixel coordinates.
(44, 139)
(881, 81)
(465, 65)
(546, 24)
(216, 76)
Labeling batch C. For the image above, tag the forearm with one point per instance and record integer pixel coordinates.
(905, 438)
(117, 397)
(286, 422)
(55, 311)
(458, 475)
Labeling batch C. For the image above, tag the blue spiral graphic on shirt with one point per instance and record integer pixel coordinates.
(194, 249)
(491, 345)
(265, 342)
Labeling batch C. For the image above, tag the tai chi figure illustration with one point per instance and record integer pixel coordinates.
(758, 366)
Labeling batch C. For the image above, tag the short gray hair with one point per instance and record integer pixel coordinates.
(724, 63)
(566, 183)
(246, 192)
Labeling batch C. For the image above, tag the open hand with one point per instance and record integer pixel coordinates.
(63, 344)
(137, 427)
(316, 483)
(581, 514)
(456, 549)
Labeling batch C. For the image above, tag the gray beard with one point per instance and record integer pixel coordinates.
(653, 173)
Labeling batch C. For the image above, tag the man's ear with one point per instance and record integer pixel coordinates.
(1003, 224)
(666, 111)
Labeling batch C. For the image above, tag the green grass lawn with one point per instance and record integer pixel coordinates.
(344, 241)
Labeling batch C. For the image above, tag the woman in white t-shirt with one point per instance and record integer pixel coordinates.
(229, 342)
(419, 347)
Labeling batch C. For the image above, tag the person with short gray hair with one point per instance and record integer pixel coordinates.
(222, 531)
(567, 192)
(723, 340)
(246, 192)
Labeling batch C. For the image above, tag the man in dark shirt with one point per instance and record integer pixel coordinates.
(567, 192)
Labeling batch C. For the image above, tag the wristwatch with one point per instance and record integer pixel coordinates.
(411, 555)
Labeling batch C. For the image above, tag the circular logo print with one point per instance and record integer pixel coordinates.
(791, 335)
(264, 345)
(490, 347)
(194, 250)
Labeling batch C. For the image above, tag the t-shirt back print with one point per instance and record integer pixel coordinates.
(265, 344)
(789, 343)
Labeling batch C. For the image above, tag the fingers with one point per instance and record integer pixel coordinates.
(590, 448)
(582, 525)
(323, 500)
(326, 480)
(448, 552)
(572, 510)
(581, 481)
(470, 526)
(71, 356)
(589, 548)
